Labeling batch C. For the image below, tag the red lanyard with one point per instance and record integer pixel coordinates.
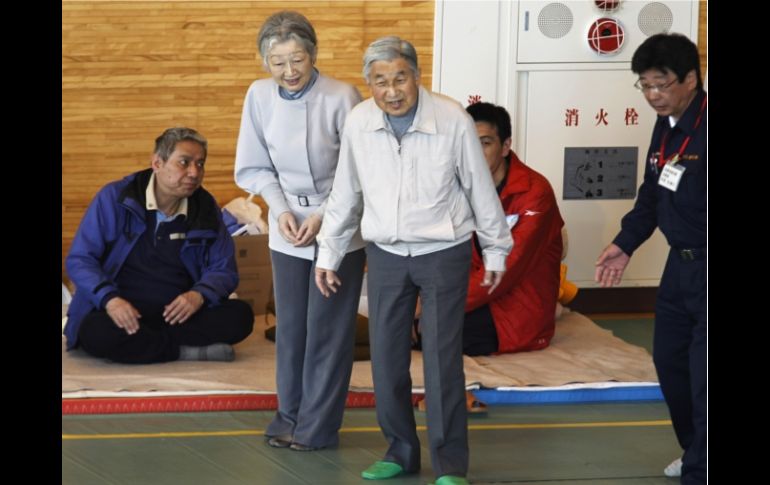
(661, 160)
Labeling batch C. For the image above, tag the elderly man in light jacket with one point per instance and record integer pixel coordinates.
(412, 174)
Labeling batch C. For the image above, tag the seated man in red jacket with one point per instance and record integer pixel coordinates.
(519, 314)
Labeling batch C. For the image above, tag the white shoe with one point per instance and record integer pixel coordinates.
(674, 469)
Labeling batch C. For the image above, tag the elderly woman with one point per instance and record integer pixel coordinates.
(287, 152)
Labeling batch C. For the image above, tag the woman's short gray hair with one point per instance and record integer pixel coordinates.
(283, 26)
(388, 49)
(166, 143)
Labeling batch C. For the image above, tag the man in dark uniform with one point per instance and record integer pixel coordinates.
(673, 198)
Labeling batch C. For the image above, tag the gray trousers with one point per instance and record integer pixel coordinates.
(393, 284)
(314, 340)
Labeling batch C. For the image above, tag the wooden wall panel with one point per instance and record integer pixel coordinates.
(132, 69)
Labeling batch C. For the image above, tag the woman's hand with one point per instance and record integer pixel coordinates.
(287, 226)
(307, 232)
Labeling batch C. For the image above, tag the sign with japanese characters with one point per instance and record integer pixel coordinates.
(600, 172)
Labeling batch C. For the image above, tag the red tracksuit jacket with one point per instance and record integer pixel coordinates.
(524, 303)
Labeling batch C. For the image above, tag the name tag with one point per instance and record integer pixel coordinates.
(670, 176)
(177, 235)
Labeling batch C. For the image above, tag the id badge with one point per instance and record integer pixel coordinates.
(670, 176)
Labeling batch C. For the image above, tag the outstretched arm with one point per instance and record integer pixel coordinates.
(610, 266)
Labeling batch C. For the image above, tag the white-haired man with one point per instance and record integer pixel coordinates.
(412, 173)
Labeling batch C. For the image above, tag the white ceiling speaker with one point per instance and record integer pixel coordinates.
(655, 18)
(555, 20)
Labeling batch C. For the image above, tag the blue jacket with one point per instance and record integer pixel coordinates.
(680, 215)
(113, 223)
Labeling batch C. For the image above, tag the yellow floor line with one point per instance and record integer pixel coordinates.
(366, 429)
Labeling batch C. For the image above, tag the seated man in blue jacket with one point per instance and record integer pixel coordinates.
(153, 265)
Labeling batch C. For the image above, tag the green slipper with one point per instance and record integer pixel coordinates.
(450, 480)
(382, 470)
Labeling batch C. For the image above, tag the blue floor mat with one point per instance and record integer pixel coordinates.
(558, 396)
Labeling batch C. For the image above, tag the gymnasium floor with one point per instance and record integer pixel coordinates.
(603, 443)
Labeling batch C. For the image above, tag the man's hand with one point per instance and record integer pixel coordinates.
(610, 266)
(307, 232)
(327, 281)
(287, 226)
(123, 314)
(183, 307)
(492, 279)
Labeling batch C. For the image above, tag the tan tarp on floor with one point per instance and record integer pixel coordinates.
(581, 352)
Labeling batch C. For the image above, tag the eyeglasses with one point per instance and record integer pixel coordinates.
(654, 88)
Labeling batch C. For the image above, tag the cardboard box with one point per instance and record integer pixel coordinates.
(255, 281)
(256, 290)
(255, 272)
(251, 251)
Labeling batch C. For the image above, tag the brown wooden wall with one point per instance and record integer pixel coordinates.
(132, 69)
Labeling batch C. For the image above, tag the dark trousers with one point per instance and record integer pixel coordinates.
(156, 340)
(479, 333)
(393, 284)
(314, 348)
(679, 353)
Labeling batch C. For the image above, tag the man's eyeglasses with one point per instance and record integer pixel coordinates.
(654, 88)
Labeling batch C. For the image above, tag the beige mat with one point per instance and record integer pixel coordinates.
(581, 352)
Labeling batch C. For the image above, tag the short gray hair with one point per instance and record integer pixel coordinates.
(388, 49)
(283, 26)
(166, 143)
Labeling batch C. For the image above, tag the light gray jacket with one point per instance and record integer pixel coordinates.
(287, 151)
(425, 194)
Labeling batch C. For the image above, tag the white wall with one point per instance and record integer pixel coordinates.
(496, 49)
